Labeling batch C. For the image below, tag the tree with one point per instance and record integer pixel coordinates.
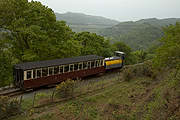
(141, 55)
(6, 61)
(129, 57)
(168, 53)
(93, 44)
(34, 34)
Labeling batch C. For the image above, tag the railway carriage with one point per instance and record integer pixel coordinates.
(35, 74)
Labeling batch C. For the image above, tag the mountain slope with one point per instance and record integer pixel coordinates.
(82, 22)
(141, 34)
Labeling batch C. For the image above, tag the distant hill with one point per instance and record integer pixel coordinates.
(82, 22)
(159, 22)
(141, 34)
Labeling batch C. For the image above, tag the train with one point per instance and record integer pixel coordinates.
(31, 75)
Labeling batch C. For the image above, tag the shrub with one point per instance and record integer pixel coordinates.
(127, 74)
(66, 88)
(139, 70)
(8, 107)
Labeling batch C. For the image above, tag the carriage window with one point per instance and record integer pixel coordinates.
(101, 63)
(71, 68)
(75, 67)
(89, 65)
(29, 73)
(38, 73)
(61, 69)
(66, 68)
(51, 70)
(92, 64)
(80, 67)
(96, 63)
(84, 65)
(56, 70)
(34, 73)
(44, 71)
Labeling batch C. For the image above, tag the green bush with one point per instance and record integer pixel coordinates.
(128, 74)
(66, 88)
(8, 107)
(140, 70)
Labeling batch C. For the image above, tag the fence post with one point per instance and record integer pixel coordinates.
(20, 100)
(52, 97)
(34, 98)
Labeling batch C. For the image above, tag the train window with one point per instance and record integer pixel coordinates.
(99, 63)
(38, 73)
(92, 64)
(34, 73)
(75, 67)
(56, 70)
(102, 61)
(66, 68)
(96, 63)
(84, 65)
(44, 72)
(29, 74)
(89, 65)
(71, 68)
(51, 70)
(61, 69)
(80, 67)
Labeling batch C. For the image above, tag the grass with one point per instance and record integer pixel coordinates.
(141, 98)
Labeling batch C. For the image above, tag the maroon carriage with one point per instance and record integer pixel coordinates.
(42, 73)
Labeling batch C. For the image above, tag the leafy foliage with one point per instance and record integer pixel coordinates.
(5, 61)
(129, 57)
(92, 43)
(168, 53)
(34, 35)
(8, 107)
(66, 88)
(140, 70)
(141, 55)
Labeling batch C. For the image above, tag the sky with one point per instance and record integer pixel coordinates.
(121, 10)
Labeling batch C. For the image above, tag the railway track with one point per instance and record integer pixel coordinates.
(11, 92)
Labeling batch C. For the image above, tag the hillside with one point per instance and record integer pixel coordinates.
(140, 34)
(82, 22)
(115, 96)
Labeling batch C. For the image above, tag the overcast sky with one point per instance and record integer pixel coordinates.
(122, 10)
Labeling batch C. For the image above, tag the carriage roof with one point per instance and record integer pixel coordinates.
(56, 62)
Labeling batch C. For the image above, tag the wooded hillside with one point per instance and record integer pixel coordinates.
(141, 34)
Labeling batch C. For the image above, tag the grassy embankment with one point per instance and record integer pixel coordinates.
(140, 94)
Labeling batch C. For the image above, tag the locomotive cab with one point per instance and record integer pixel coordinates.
(117, 61)
(119, 54)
